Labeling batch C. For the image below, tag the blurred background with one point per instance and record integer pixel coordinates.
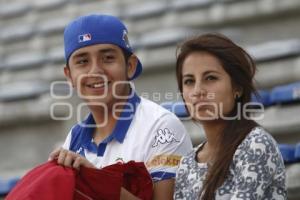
(33, 90)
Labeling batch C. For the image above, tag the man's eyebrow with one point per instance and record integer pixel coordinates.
(80, 55)
(107, 50)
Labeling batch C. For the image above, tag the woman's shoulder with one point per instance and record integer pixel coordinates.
(257, 143)
(258, 164)
(258, 137)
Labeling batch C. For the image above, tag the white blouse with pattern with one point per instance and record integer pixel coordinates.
(256, 172)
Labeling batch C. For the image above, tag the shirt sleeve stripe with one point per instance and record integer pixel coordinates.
(161, 175)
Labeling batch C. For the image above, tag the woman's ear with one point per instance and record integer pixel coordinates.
(68, 76)
(131, 66)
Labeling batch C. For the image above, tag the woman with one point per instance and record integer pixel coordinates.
(239, 159)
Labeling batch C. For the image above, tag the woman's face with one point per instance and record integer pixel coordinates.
(206, 86)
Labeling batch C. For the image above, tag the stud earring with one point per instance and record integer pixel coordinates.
(237, 95)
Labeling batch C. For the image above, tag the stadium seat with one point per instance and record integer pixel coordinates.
(288, 153)
(14, 9)
(53, 26)
(145, 10)
(282, 120)
(56, 55)
(275, 50)
(264, 98)
(231, 1)
(191, 4)
(16, 33)
(163, 37)
(2, 67)
(24, 60)
(22, 90)
(286, 93)
(297, 152)
(48, 4)
(85, 1)
(177, 108)
(7, 184)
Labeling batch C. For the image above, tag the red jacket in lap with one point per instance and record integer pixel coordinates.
(50, 181)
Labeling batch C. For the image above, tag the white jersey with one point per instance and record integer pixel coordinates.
(146, 132)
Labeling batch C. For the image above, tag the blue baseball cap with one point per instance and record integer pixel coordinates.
(97, 29)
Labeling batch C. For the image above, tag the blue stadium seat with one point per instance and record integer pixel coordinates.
(297, 152)
(177, 108)
(288, 153)
(264, 98)
(286, 93)
(6, 185)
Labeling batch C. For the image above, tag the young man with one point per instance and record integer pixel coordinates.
(121, 125)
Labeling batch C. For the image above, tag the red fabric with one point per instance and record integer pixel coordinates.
(50, 181)
(137, 179)
(97, 184)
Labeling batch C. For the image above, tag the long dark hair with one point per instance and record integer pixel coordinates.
(241, 69)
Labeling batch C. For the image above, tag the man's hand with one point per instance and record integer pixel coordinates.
(69, 159)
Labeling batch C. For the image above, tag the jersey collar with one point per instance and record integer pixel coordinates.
(121, 127)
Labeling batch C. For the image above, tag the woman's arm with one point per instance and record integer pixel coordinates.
(164, 189)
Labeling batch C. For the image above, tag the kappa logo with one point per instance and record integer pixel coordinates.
(164, 136)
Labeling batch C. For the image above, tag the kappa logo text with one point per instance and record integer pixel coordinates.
(164, 136)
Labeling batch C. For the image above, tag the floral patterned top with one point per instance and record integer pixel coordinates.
(256, 172)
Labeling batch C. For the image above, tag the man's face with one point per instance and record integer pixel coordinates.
(99, 73)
